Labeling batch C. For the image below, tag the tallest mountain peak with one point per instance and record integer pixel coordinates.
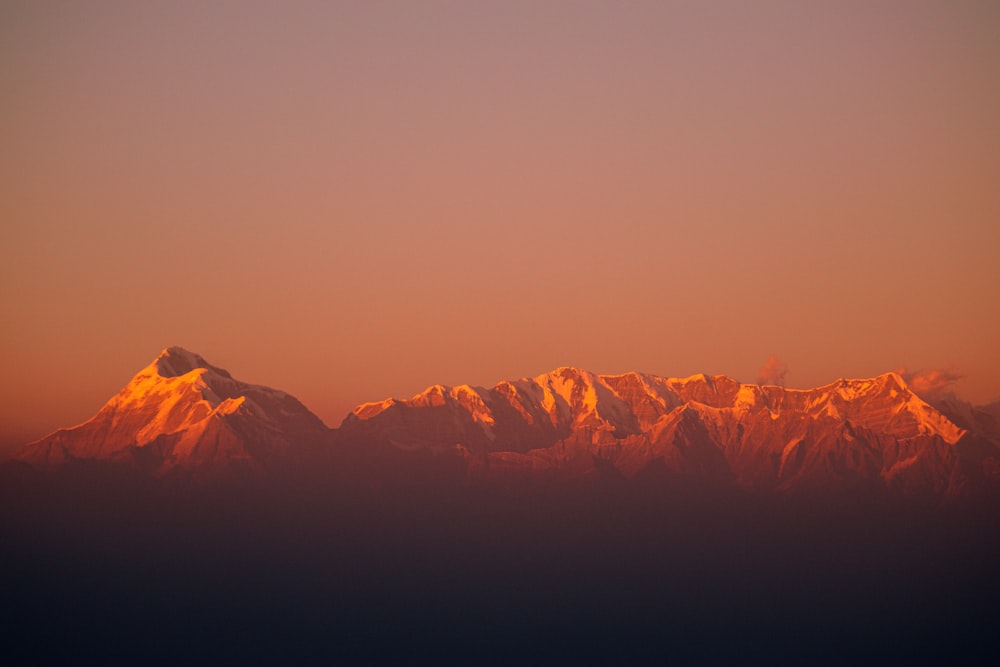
(182, 412)
(175, 361)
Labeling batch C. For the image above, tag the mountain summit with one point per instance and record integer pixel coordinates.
(180, 412)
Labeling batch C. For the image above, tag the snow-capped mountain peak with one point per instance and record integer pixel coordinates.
(180, 411)
(175, 361)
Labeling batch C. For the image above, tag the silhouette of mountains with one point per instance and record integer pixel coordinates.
(181, 414)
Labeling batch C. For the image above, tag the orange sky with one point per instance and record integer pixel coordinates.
(355, 200)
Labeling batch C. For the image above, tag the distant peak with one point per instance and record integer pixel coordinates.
(892, 378)
(570, 373)
(175, 361)
(885, 381)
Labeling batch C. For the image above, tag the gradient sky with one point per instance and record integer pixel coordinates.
(352, 200)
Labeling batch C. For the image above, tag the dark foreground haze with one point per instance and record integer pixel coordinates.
(351, 567)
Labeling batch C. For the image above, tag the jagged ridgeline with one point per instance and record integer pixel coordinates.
(183, 415)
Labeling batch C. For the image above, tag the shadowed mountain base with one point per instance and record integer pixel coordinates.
(270, 571)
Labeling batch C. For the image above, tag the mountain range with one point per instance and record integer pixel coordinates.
(182, 415)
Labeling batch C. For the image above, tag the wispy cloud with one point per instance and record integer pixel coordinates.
(931, 383)
(773, 371)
